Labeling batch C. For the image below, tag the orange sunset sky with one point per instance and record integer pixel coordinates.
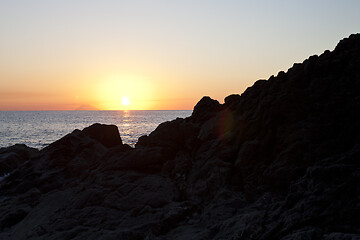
(84, 55)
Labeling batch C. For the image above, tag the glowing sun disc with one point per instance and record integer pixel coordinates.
(125, 101)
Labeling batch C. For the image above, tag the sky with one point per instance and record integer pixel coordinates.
(156, 54)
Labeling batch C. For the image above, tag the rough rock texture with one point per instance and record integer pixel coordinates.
(281, 161)
(12, 157)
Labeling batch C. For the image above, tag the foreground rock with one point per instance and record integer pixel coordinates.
(281, 161)
(12, 157)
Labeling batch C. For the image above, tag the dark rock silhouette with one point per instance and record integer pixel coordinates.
(281, 161)
(205, 109)
(12, 157)
(108, 135)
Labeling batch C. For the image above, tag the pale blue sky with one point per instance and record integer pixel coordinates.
(184, 49)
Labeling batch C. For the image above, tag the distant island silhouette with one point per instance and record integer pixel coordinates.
(86, 107)
(279, 161)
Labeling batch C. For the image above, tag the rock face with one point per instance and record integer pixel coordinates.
(12, 157)
(108, 135)
(280, 161)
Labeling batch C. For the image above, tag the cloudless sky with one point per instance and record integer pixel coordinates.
(161, 54)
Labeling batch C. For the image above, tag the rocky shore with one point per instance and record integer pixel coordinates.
(280, 161)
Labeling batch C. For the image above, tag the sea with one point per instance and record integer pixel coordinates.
(40, 128)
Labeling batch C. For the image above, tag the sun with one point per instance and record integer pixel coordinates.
(125, 101)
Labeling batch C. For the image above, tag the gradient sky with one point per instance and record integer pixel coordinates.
(87, 54)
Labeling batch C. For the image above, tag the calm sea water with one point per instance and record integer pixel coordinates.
(40, 128)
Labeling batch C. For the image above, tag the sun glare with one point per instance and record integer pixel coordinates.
(124, 92)
(125, 101)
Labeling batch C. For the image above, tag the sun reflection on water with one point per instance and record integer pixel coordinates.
(38, 129)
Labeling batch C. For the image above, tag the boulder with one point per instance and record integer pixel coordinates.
(205, 109)
(232, 101)
(108, 135)
(12, 157)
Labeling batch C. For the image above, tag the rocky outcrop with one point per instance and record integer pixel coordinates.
(12, 157)
(280, 161)
(205, 109)
(108, 135)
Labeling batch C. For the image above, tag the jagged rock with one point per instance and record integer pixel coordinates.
(280, 161)
(205, 109)
(176, 134)
(12, 157)
(12, 218)
(108, 135)
(232, 101)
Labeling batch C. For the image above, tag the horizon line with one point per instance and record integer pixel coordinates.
(96, 110)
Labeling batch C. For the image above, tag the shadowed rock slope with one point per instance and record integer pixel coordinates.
(281, 161)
